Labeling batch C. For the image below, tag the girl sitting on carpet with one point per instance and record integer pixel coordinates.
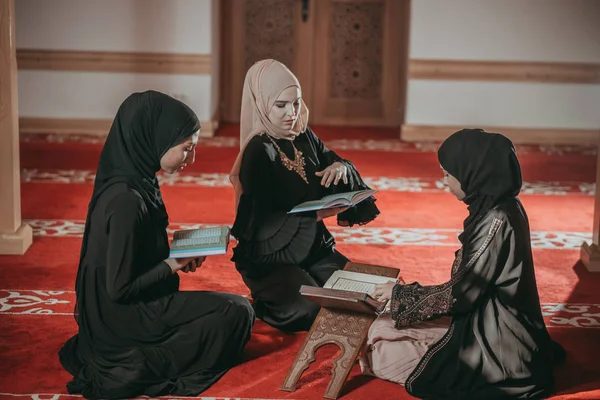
(480, 335)
(138, 334)
(281, 164)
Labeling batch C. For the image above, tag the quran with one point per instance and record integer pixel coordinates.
(346, 199)
(200, 242)
(347, 290)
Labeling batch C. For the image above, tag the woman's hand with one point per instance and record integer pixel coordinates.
(334, 173)
(188, 264)
(193, 265)
(383, 292)
(329, 212)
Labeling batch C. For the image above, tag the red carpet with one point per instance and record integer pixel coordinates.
(416, 232)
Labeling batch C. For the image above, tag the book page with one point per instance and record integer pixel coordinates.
(199, 238)
(355, 281)
(311, 205)
(360, 196)
(348, 196)
(198, 233)
(351, 198)
(345, 199)
(353, 285)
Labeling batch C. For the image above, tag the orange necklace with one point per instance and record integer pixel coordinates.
(296, 165)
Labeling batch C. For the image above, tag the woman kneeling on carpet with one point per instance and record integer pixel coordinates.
(480, 335)
(138, 334)
(282, 163)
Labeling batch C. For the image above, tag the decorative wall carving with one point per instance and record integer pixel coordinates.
(356, 51)
(269, 31)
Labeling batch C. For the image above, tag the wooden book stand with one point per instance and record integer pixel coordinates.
(346, 329)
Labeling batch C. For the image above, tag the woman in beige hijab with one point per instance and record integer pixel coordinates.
(281, 164)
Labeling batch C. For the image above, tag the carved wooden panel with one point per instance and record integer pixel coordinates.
(345, 324)
(360, 61)
(356, 56)
(253, 30)
(346, 329)
(350, 56)
(269, 31)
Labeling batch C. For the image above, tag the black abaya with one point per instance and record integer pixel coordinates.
(138, 334)
(497, 346)
(278, 252)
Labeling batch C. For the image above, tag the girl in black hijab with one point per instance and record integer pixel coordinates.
(138, 334)
(494, 343)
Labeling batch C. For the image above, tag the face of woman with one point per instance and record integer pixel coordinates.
(286, 109)
(180, 155)
(453, 185)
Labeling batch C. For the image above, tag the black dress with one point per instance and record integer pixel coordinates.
(138, 334)
(497, 346)
(278, 252)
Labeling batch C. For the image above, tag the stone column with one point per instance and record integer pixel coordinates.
(15, 237)
(590, 253)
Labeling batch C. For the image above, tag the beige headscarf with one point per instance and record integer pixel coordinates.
(264, 82)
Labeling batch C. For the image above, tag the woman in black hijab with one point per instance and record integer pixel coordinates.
(138, 334)
(494, 343)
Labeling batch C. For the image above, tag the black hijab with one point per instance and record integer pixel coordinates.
(487, 167)
(146, 126)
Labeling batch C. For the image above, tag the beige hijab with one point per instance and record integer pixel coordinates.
(264, 82)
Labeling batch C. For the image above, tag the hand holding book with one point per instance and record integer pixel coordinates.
(201, 242)
(329, 212)
(383, 292)
(193, 265)
(350, 291)
(187, 264)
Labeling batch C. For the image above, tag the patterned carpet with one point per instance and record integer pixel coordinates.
(417, 232)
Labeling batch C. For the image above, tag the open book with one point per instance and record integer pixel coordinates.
(348, 291)
(347, 199)
(200, 242)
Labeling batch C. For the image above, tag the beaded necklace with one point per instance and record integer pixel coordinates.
(297, 165)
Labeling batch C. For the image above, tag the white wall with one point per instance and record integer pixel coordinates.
(507, 30)
(504, 104)
(521, 30)
(173, 26)
(66, 94)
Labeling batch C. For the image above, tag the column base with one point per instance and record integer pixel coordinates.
(590, 256)
(18, 242)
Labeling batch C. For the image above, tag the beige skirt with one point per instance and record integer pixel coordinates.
(392, 354)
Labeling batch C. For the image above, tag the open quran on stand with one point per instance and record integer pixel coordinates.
(347, 199)
(347, 290)
(200, 242)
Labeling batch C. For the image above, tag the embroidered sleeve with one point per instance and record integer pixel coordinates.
(471, 274)
(415, 303)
